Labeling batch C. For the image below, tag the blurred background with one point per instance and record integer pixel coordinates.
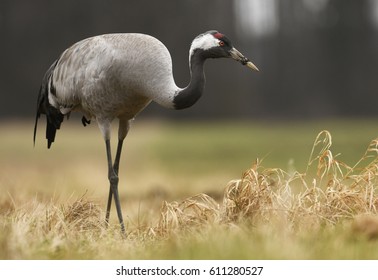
(317, 58)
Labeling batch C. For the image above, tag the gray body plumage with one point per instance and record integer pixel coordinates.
(107, 77)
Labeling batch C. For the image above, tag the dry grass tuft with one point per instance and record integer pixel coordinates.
(297, 201)
(250, 197)
(83, 215)
(190, 214)
(80, 216)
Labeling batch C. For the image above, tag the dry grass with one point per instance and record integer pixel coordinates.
(282, 201)
(297, 201)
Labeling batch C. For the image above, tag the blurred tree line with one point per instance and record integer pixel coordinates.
(317, 58)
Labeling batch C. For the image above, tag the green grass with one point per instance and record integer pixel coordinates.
(164, 162)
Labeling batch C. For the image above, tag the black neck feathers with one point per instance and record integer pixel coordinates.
(190, 95)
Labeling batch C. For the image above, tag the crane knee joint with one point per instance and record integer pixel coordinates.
(113, 179)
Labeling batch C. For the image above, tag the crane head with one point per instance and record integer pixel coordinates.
(213, 44)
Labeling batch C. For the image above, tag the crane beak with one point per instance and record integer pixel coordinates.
(235, 54)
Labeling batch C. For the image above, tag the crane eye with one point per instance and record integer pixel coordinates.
(221, 43)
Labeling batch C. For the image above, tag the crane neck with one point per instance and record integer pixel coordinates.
(188, 96)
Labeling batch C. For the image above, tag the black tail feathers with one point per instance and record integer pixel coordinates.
(54, 120)
(53, 116)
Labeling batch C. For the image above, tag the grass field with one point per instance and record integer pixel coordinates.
(231, 190)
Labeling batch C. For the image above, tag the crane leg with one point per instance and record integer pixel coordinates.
(113, 179)
(116, 171)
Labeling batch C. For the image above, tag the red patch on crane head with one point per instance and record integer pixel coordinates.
(218, 35)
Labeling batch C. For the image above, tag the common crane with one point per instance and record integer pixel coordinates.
(117, 75)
